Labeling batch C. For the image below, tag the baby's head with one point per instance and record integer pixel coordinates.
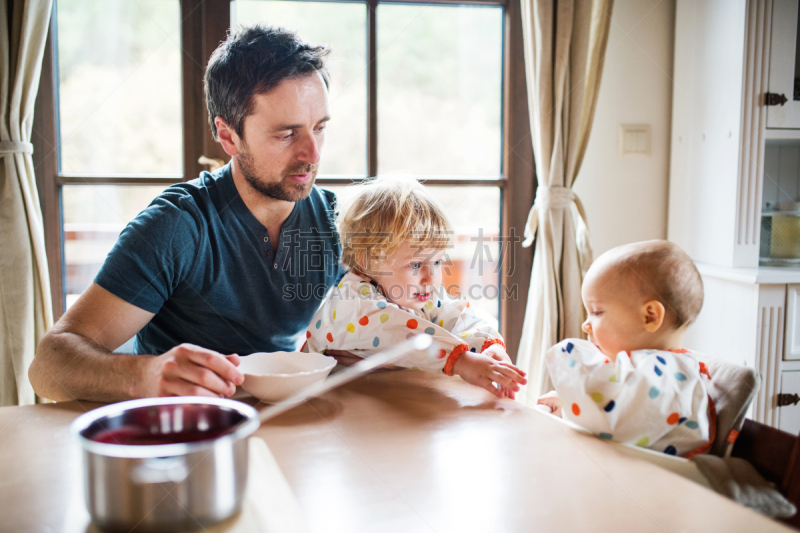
(395, 232)
(639, 296)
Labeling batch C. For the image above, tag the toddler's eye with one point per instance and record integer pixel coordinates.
(415, 266)
(438, 263)
(597, 313)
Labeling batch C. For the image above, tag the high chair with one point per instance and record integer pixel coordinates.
(776, 456)
(732, 389)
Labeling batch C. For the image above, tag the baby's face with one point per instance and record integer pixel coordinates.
(410, 275)
(614, 313)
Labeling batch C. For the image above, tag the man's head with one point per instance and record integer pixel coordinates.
(266, 92)
(639, 293)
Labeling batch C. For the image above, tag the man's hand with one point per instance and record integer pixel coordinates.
(552, 401)
(483, 370)
(189, 370)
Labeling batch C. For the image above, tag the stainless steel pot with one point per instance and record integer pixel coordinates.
(133, 480)
(140, 472)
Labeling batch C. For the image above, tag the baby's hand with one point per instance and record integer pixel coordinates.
(552, 401)
(483, 370)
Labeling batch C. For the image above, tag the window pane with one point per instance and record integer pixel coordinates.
(94, 216)
(119, 87)
(472, 265)
(344, 28)
(440, 89)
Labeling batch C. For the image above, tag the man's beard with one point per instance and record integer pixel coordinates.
(287, 192)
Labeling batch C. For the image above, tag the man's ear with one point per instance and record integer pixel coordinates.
(227, 137)
(653, 313)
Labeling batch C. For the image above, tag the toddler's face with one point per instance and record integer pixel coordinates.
(410, 275)
(614, 321)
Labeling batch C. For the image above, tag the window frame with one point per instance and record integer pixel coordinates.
(204, 24)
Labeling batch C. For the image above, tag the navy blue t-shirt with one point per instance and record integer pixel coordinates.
(200, 260)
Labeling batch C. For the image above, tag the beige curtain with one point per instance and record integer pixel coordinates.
(25, 305)
(565, 43)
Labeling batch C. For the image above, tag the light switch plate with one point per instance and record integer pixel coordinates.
(634, 139)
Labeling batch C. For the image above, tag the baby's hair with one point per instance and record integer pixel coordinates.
(665, 273)
(386, 212)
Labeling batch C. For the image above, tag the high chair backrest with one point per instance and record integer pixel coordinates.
(732, 389)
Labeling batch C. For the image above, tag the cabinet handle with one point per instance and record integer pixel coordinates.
(776, 99)
(788, 399)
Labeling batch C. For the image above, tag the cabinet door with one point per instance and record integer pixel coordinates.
(791, 350)
(784, 67)
(790, 414)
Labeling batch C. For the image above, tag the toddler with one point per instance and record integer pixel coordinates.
(394, 235)
(632, 381)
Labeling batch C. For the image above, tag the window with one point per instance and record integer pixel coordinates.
(438, 117)
(423, 89)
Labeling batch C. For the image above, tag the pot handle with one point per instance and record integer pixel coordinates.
(160, 470)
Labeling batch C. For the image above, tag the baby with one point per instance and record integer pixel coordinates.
(632, 381)
(394, 235)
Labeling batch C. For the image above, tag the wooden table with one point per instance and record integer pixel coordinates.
(403, 452)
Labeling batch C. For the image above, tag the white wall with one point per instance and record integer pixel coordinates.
(626, 197)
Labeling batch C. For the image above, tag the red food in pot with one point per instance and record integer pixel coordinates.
(134, 436)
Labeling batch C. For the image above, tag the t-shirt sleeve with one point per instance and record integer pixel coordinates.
(154, 253)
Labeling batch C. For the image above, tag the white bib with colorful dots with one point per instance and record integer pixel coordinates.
(357, 318)
(651, 398)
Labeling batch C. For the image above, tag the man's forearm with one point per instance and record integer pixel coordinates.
(68, 366)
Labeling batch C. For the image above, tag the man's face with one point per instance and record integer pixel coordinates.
(280, 151)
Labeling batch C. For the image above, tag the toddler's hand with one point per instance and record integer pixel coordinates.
(498, 353)
(552, 401)
(483, 370)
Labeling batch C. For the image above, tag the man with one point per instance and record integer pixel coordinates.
(203, 271)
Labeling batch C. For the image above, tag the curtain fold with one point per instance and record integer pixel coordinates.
(25, 302)
(565, 44)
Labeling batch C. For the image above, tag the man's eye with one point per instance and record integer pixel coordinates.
(320, 129)
(286, 137)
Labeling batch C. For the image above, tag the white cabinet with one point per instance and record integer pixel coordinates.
(790, 414)
(792, 347)
(714, 191)
(743, 321)
(784, 67)
(750, 318)
(720, 120)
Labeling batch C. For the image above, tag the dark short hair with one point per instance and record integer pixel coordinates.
(254, 60)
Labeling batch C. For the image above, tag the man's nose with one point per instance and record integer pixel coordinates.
(310, 150)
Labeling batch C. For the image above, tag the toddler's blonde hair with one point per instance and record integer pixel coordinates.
(387, 212)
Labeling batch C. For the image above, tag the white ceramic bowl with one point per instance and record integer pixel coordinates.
(273, 377)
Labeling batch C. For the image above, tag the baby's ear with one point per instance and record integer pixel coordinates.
(653, 313)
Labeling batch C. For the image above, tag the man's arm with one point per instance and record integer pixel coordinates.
(75, 360)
